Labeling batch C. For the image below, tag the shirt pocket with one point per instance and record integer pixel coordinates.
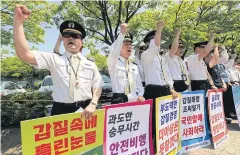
(86, 75)
(121, 72)
(134, 73)
(63, 69)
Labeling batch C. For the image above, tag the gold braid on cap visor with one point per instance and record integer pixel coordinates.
(72, 30)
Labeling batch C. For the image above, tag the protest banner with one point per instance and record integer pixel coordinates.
(194, 125)
(236, 99)
(128, 129)
(63, 134)
(167, 125)
(217, 117)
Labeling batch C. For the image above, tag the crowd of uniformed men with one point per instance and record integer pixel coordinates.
(77, 81)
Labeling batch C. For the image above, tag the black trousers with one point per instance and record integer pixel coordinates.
(64, 108)
(228, 102)
(119, 98)
(200, 85)
(153, 92)
(180, 86)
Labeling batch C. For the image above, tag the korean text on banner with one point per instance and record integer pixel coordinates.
(128, 129)
(194, 121)
(217, 118)
(167, 125)
(63, 134)
(236, 98)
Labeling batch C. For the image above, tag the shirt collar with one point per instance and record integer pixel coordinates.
(79, 54)
(122, 59)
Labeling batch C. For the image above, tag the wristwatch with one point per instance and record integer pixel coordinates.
(93, 103)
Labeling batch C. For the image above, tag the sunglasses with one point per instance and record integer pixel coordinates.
(74, 36)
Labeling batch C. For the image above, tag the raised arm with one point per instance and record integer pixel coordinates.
(175, 43)
(58, 44)
(208, 47)
(116, 47)
(154, 45)
(22, 49)
(215, 58)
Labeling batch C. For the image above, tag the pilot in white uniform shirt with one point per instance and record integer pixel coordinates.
(155, 67)
(125, 78)
(72, 87)
(157, 75)
(60, 68)
(74, 76)
(177, 66)
(200, 78)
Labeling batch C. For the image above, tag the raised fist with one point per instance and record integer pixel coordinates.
(21, 13)
(160, 24)
(123, 28)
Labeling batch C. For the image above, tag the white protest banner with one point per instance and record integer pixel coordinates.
(216, 117)
(194, 121)
(128, 129)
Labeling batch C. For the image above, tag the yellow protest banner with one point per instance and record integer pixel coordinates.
(67, 134)
(168, 125)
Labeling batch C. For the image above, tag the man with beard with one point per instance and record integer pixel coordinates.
(176, 65)
(125, 78)
(77, 81)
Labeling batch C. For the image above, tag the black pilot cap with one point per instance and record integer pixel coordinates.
(71, 27)
(150, 35)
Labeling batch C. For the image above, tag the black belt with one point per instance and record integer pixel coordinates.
(119, 98)
(178, 80)
(157, 86)
(75, 104)
(199, 80)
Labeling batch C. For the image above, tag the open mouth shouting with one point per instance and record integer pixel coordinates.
(71, 44)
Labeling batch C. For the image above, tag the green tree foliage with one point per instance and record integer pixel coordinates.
(41, 17)
(101, 19)
(196, 18)
(99, 59)
(14, 67)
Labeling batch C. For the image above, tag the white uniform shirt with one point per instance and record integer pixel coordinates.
(152, 64)
(233, 74)
(140, 68)
(117, 71)
(175, 67)
(197, 69)
(60, 68)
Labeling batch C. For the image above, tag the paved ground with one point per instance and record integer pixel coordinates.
(11, 143)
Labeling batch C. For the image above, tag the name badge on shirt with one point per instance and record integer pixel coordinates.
(184, 77)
